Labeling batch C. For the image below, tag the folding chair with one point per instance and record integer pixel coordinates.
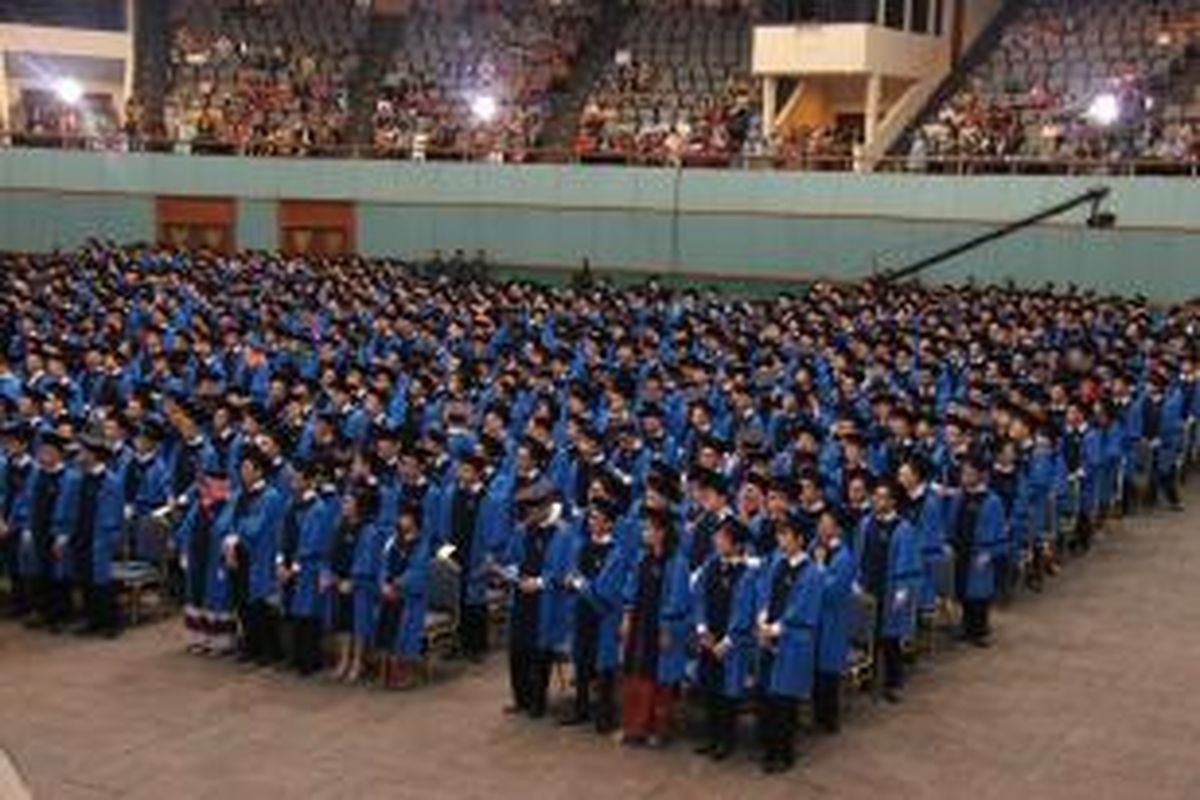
(860, 666)
(133, 580)
(1143, 471)
(945, 581)
(441, 616)
(1068, 528)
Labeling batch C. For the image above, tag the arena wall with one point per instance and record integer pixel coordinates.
(730, 224)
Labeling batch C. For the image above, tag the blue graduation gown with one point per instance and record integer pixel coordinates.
(364, 579)
(62, 526)
(902, 580)
(431, 507)
(14, 478)
(793, 655)
(927, 520)
(603, 594)
(256, 525)
(1045, 476)
(837, 609)
(739, 628)
(475, 571)
(409, 576)
(674, 614)
(1090, 458)
(216, 577)
(102, 534)
(389, 502)
(315, 535)
(1170, 432)
(555, 562)
(1112, 450)
(153, 487)
(988, 537)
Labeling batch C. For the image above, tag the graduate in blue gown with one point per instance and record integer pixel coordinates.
(923, 510)
(147, 489)
(35, 530)
(1045, 471)
(840, 566)
(594, 582)
(789, 609)
(1008, 483)
(533, 569)
(470, 508)
(304, 555)
(95, 526)
(725, 591)
(654, 631)
(1163, 416)
(1082, 456)
(889, 565)
(250, 548)
(199, 538)
(16, 468)
(977, 533)
(351, 585)
(403, 592)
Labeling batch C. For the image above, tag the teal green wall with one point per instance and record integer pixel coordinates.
(39, 222)
(257, 224)
(770, 225)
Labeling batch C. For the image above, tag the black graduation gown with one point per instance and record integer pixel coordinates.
(81, 541)
(46, 487)
(526, 621)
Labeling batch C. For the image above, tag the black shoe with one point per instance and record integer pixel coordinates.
(574, 720)
(776, 766)
(706, 749)
(982, 642)
(892, 695)
(721, 752)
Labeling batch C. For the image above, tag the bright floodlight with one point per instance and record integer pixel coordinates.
(484, 108)
(68, 90)
(1105, 110)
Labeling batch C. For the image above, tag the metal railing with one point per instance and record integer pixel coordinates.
(925, 165)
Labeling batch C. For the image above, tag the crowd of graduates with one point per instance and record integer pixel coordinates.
(673, 489)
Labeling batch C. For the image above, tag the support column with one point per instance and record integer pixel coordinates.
(130, 55)
(908, 16)
(4, 110)
(952, 27)
(881, 13)
(871, 105)
(770, 101)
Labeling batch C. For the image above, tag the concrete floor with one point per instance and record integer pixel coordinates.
(1090, 692)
